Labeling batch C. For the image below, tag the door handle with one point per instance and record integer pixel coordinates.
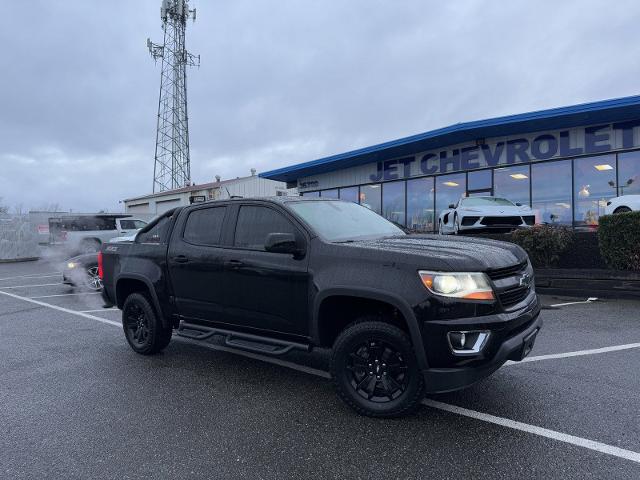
(233, 264)
(180, 259)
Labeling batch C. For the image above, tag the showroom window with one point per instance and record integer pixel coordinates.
(393, 207)
(349, 194)
(310, 194)
(594, 182)
(420, 203)
(480, 180)
(371, 197)
(512, 183)
(629, 173)
(449, 189)
(551, 192)
(333, 193)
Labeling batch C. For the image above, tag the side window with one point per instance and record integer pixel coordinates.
(157, 233)
(131, 224)
(255, 223)
(204, 226)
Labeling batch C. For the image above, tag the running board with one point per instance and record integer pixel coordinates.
(241, 341)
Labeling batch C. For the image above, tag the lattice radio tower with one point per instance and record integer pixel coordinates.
(172, 167)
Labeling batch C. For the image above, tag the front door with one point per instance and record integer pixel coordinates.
(270, 291)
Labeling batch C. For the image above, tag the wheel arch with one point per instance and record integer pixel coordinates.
(320, 327)
(131, 283)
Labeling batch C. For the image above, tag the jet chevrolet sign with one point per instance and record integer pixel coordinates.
(590, 140)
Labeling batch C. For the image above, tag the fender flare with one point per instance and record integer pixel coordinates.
(150, 289)
(382, 296)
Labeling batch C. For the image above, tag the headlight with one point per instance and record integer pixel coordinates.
(71, 265)
(471, 286)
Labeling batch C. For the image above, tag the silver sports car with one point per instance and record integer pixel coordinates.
(484, 213)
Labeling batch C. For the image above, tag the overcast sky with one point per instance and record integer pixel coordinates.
(281, 82)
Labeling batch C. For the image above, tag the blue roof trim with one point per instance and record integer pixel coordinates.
(614, 110)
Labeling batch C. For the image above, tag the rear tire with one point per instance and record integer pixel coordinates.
(142, 328)
(375, 370)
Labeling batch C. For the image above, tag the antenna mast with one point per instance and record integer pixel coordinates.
(172, 167)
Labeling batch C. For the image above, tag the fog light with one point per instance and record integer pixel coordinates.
(467, 342)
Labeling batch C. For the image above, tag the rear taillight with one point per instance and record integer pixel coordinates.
(100, 271)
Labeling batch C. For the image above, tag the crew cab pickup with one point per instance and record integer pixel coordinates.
(403, 314)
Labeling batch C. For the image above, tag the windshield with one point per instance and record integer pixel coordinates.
(342, 221)
(486, 201)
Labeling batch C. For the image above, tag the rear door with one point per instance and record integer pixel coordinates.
(196, 263)
(268, 291)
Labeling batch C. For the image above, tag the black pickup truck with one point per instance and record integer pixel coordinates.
(403, 314)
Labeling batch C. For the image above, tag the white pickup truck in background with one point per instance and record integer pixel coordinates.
(87, 233)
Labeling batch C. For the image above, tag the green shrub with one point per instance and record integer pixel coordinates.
(619, 238)
(544, 243)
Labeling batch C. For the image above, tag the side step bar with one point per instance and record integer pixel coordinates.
(241, 341)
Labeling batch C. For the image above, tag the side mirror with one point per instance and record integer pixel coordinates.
(518, 204)
(283, 243)
(452, 205)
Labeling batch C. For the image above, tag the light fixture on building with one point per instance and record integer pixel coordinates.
(518, 176)
(605, 166)
(584, 191)
(451, 184)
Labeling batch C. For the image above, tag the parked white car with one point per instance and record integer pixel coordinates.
(86, 233)
(484, 213)
(625, 203)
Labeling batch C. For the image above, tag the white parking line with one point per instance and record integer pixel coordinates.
(578, 353)
(543, 432)
(64, 295)
(100, 310)
(25, 286)
(485, 417)
(34, 275)
(61, 309)
(588, 300)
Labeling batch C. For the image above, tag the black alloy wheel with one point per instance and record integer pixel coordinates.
(137, 325)
(378, 371)
(375, 370)
(622, 210)
(142, 327)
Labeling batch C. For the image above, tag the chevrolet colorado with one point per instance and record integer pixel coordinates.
(403, 314)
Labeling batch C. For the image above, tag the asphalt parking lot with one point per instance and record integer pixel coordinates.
(76, 402)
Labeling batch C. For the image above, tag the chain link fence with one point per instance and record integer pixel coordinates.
(18, 240)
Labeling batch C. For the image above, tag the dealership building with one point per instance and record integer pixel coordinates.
(566, 163)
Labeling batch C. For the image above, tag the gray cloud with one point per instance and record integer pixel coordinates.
(281, 82)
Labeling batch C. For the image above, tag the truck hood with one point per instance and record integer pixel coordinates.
(444, 253)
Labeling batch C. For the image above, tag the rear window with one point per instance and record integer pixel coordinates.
(204, 226)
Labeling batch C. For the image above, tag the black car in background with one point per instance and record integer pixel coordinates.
(82, 271)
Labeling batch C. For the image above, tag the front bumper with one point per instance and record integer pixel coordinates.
(513, 336)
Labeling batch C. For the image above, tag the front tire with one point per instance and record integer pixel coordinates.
(622, 210)
(375, 370)
(142, 328)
